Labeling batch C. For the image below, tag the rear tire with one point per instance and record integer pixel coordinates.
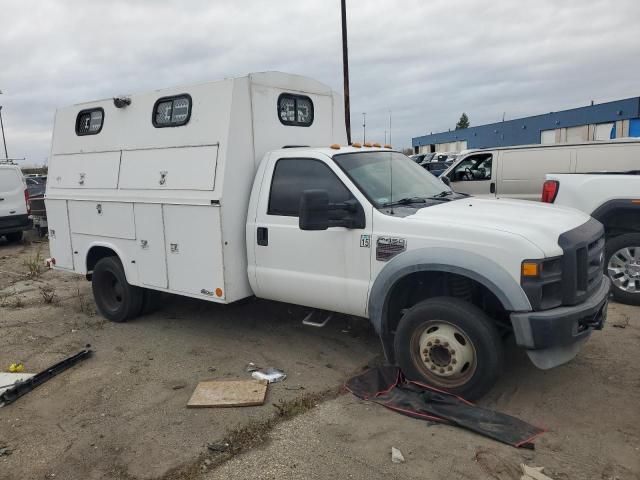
(622, 265)
(450, 344)
(115, 298)
(14, 237)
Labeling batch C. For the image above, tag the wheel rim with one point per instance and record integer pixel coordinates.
(624, 269)
(444, 353)
(112, 291)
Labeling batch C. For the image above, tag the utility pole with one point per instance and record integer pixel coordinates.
(345, 72)
(4, 141)
(364, 127)
(389, 128)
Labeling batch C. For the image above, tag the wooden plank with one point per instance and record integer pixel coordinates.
(228, 393)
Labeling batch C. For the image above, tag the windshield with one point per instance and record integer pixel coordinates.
(386, 178)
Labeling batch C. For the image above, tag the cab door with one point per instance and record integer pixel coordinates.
(327, 269)
(474, 175)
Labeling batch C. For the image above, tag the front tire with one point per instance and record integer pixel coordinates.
(450, 344)
(115, 298)
(622, 265)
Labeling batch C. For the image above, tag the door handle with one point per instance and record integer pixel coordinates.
(263, 236)
(492, 187)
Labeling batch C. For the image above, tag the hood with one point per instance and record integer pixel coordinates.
(540, 223)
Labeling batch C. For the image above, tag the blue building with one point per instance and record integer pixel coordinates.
(603, 121)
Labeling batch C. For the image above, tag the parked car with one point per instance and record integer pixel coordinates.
(436, 168)
(444, 157)
(14, 202)
(519, 172)
(199, 210)
(614, 200)
(421, 158)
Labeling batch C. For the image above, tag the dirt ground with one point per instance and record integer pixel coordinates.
(122, 413)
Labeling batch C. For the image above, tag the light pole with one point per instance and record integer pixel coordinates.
(345, 72)
(4, 141)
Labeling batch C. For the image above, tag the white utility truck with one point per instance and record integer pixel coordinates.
(612, 198)
(237, 188)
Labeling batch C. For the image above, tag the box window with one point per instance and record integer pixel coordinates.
(172, 111)
(295, 110)
(89, 122)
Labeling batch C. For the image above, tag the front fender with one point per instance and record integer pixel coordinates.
(439, 259)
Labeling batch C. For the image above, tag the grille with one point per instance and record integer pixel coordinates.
(582, 261)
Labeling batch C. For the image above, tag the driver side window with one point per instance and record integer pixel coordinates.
(292, 176)
(474, 168)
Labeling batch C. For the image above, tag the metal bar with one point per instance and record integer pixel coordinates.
(24, 387)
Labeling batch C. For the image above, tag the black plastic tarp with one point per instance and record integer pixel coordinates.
(388, 387)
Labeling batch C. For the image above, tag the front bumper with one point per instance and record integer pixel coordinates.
(553, 337)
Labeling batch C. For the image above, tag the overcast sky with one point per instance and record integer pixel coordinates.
(426, 61)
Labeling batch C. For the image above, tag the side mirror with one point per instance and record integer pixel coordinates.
(445, 180)
(316, 213)
(314, 210)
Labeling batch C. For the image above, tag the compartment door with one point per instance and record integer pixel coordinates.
(194, 250)
(180, 168)
(84, 170)
(59, 233)
(150, 258)
(104, 219)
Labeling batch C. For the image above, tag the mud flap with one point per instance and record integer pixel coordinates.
(388, 387)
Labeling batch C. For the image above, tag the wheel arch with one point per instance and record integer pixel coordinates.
(619, 216)
(493, 278)
(99, 250)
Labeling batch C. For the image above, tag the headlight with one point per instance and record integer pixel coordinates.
(541, 280)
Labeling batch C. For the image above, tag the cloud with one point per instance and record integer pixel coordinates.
(425, 61)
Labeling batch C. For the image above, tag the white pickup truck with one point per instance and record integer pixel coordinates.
(613, 198)
(240, 187)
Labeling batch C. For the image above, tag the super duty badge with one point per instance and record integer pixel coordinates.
(389, 247)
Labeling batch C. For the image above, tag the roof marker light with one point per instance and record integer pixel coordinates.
(356, 145)
(335, 146)
(377, 145)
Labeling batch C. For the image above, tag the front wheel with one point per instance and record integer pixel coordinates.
(115, 298)
(450, 344)
(622, 264)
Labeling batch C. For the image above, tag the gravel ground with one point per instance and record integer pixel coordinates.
(122, 413)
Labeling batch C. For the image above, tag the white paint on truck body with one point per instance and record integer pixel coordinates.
(186, 186)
